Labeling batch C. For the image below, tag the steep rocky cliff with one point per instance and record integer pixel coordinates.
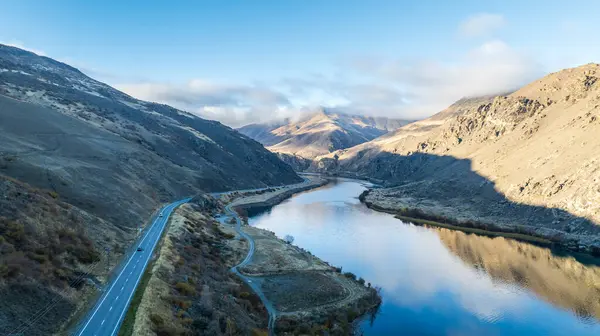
(530, 159)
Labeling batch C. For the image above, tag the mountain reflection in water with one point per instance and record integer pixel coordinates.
(561, 281)
(437, 281)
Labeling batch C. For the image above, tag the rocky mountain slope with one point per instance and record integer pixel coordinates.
(108, 158)
(319, 133)
(525, 161)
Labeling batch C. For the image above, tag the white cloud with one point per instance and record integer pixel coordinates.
(385, 88)
(370, 86)
(234, 105)
(482, 24)
(430, 86)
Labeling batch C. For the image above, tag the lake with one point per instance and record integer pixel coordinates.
(437, 281)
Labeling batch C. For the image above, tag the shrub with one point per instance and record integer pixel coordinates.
(303, 328)
(12, 231)
(200, 323)
(352, 314)
(361, 281)
(41, 258)
(183, 304)
(168, 331)
(185, 288)
(85, 254)
(258, 332)
(225, 235)
(156, 319)
(350, 275)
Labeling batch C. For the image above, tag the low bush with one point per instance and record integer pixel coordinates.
(228, 235)
(259, 332)
(185, 288)
(41, 258)
(156, 319)
(181, 303)
(350, 275)
(13, 232)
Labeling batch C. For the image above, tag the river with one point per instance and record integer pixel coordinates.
(437, 281)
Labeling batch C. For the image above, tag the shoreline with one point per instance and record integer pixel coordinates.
(268, 201)
(420, 218)
(358, 300)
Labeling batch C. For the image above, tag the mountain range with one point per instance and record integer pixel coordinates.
(83, 165)
(319, 133)
(527, 161)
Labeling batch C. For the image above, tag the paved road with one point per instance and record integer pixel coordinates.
(107, 316)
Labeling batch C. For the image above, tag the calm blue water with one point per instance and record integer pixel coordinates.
(441, 282)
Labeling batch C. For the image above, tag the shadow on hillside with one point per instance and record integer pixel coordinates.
(446, 189)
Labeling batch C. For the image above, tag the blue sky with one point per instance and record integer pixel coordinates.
(405, 59)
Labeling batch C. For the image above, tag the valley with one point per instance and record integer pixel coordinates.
(284, 289)
(524, 162)
(83, 167)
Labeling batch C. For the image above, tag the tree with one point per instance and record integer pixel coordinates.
(289, 239)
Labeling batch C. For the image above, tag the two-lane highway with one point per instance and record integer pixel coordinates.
(107, 316)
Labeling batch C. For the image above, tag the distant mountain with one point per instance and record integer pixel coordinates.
(81, 150)
(263, 132)
(527, 161)
(320, 133)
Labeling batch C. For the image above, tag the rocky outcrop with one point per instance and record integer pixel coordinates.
(530, 158)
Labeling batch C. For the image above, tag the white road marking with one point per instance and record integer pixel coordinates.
(139, 277)
(102, 322)
(114, 283)
(154, 239)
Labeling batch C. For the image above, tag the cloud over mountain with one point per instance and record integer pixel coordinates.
(371, 86)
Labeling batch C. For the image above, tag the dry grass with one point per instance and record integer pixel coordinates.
(43, 245)
(192, 290)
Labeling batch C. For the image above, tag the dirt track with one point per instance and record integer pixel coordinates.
(289, 280)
